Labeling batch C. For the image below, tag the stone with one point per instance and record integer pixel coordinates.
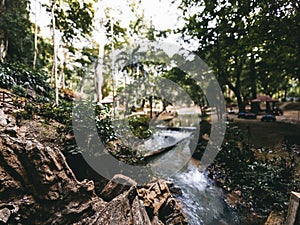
(275, 218)
(4, 215)
(3, 118)
(11, 131)
(157, 197)
(22, 131)
(140, 216)
(156, 221)
(117, 211)
(36, 180)
(117, 185)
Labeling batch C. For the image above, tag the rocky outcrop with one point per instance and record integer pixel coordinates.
(275, 218)
(38, 187)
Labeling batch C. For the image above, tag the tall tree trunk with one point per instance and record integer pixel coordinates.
(35, 38)
(98, 79)
(62, 69)
(238, 96)
(3, 39)
(253, 77)
(54, 54)
(237, 87)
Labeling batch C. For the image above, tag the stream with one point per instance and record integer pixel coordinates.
(202, 200)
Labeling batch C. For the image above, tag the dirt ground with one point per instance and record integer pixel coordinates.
(269, 134)
(272, 134)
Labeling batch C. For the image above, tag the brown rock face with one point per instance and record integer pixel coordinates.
(38, 187)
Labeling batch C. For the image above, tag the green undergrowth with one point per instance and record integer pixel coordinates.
(265, 185)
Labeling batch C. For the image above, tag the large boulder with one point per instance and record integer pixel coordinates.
(37, 186)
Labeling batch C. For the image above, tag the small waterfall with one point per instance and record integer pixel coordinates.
(202, 201)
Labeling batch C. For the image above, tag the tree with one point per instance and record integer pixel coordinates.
(3, 39)
(187, 83)
(73, 19)
(15, 23)
(222, 30)
(113, 35)
(243, 42)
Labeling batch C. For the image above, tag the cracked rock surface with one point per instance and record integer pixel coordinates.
(38, 187)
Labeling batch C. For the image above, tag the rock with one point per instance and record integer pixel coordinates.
(37, 186)
(117, 211)
(40, 181)
(3, 118)
(140, 216)
(11, 131)
(22, 131)
(158, 198)
(11, 121)
(4, 215)
(233, 198)
(156, 221)
(275, 218)
(117, 185)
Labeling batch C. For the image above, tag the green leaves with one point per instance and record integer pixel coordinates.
(73, 18)
(16, 26)
(18, 74)
(249, 43)
(265, 184)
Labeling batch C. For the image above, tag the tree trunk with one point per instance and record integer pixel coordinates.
(54, 54)
(238, 95)
(98, 79)
(253, 77)
(62, 69)
(35, 52)
(3, 39)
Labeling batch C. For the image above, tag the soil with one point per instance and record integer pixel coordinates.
(269, 134)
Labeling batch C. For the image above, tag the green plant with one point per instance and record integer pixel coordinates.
(19, 90)
(104, 123)
(26, 113)
(265, 185)
(139, 126)
(12, 74)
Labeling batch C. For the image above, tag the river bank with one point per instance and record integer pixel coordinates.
(39, 186)
(258, 168)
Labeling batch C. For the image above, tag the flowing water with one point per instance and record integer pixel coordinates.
(202, 201)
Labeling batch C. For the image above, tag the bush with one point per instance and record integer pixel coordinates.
(265, 185)
(19, 90)
(6, 80)
(139, 126)
(12, 74)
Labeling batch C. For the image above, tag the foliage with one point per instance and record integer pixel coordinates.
(19, 74)
(61, 113)
(19, 90)
(104, 123)
(72, 18)
(26, 113)
(6, 80)
(187, 83)
(250, 46)
(139, 126)
(264, 185)
(15, 23)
